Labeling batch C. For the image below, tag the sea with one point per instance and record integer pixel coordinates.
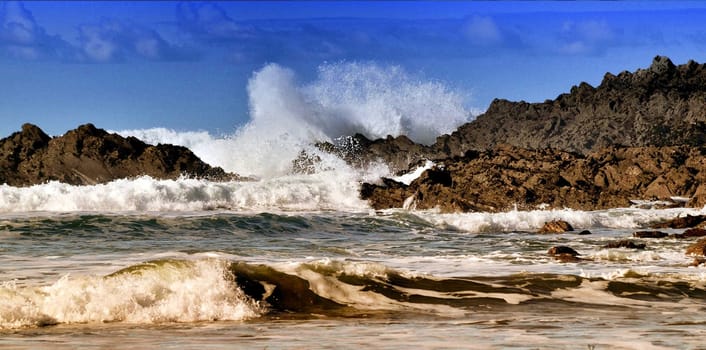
(288, 260)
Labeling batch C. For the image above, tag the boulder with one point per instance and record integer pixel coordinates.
(564, 254)
(556, 226)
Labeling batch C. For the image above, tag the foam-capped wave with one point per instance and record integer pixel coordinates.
(155, 292)
(322, 191)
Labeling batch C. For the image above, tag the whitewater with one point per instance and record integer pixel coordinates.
(290, 260)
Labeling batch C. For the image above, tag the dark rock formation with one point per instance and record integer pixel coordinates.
(564, 254)
(556, 226)
(664, 105)
(649, 234)
(625, 243)
(682, 222)
(88, 155)
(691, 233)
(509, 177)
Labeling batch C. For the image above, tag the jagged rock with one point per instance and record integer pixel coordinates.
(650, 234)
(682, 222)
(637, 136)
(508, 177)
(88, 155)
(556, 226)
(625, 243)
(697, 248)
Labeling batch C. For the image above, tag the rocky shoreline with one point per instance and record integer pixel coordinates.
(88, 155)
(637, 139)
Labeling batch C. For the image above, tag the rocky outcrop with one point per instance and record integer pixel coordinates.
(510, 177)
(88, 155)
(663, 105)
(556, 226)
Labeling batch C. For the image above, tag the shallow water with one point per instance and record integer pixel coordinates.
(389, 280)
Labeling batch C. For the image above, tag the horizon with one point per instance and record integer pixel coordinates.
(188, 66)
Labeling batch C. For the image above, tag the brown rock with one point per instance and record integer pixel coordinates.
(649, 234)
(564, 254)
(697, 248)
(556, 226)
(625, 243)
(682, 222)
(692, 232)
(637, 136)
(88, 155)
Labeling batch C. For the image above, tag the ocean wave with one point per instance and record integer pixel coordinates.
(153, 292)
(322, 191)
(207, 289)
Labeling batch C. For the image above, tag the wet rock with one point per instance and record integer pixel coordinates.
(690, 233)
(88, 155)
(636, 137)
(558, 250)
(650, 234)
(556, 226)
(625, 243)
(697, 248)
(682, 222)
(564, 254)
(584, 233)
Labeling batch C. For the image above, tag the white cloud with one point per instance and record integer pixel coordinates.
(482, 31)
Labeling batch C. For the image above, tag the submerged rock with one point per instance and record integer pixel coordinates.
(564, 254)
(682, 222)
(625, 243)
(88, 155)
(650, 234)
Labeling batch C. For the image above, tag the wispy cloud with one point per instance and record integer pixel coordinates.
(208, 22)
(113, 40)
(482, 31)
(22, 38)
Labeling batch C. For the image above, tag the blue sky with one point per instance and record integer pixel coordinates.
(186, 65)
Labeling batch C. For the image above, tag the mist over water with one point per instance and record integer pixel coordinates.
(288, 116)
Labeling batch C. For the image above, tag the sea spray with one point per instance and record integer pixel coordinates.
(288, 116)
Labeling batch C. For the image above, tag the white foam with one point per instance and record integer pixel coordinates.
(532, 220)
(414, 174)
(170, 292)
(321, 191)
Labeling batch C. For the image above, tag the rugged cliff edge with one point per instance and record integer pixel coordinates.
(664, 105)
(637, 136)
(509, 177)
(88, 155)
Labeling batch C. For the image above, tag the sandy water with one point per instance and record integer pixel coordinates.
(388, 280)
